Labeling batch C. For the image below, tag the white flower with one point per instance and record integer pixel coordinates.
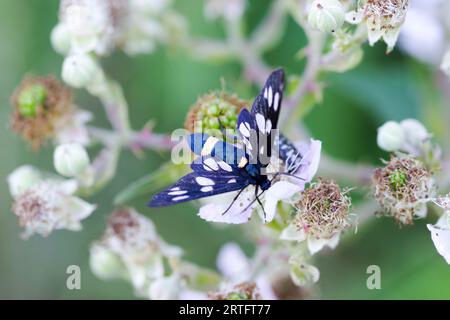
(440, 234)
(310, 161)
(423, 33)
(133, 239)
(22, 178)
(416, 135)
(231, 10)
(61, 38)
(106, 264)
(80, 70)
(293, 233)
(383, 19)
(144, 27)
(326, 15)
(72, 129)
(70, 159)
(50, 205)
(236, 268)
(408, 136)
(390, 136)
(91, 24)
(445, 65)
(166, 288)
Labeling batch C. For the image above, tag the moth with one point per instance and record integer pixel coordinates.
(224, 167)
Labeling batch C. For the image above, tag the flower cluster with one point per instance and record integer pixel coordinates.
(44, 203)
(383, 19)
(131, 249)
(99, 26)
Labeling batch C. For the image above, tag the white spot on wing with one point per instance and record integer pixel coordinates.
(265, 93)
(270, 96)
(204, 181)
(225, 166)
(206, 189)
(244, 129)
(268, 126)
(175, 189)
(210, 162)
(180, 198)
(276, 101)
(261, 122)
(177, 193)
(231, 181)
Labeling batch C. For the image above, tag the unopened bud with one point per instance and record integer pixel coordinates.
(80, 70)
(390, 136)
(22, 178)
(326, 15)
(70, 159)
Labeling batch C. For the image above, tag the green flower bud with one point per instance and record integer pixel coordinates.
(214, 113)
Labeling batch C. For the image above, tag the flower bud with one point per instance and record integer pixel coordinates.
(60, 38)
(445, 65)
(414, 132)
(22, 178)
(70, 159)
(105, 264)
(326, 15)
(80, 70)
(390, 136)
(214, 113)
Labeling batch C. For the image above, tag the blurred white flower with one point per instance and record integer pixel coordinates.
(231, 10)
(70, 159)
(22, 178)
(383, 19)
(106, 264)
(61, 38)
(80, 70)
(445, 65)
(326, 15)
(236, 268)
(50, 205)
(99, 26)
(423, 32)
(166, 288)
(440, 234)
(133, 239)
(409, 136)
(73, 128)
(390, 136)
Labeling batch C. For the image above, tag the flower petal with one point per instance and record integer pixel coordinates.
(315, 245)
(354, 17)
(213, 212)
(281, 190)
(292, 233)
(390, 37)
(233, 263)
(310, 161)
(441, 240)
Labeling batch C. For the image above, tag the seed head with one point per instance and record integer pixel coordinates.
(323, 210)
(403, 187)
(39, 105)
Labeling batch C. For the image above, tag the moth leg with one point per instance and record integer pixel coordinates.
(234, 200)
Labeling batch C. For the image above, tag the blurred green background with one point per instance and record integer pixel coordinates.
(161, 86)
